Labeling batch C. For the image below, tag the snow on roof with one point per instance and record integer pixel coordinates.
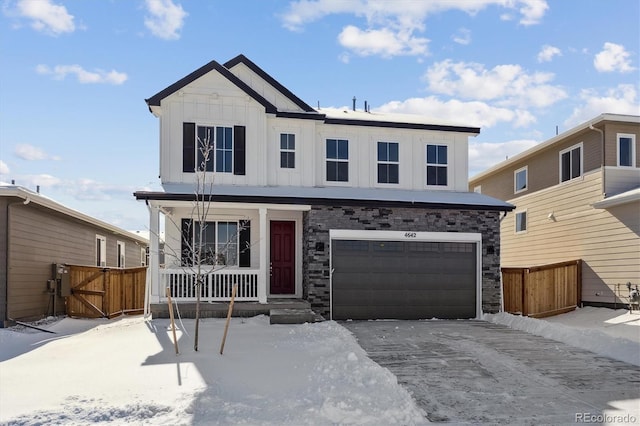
(307, 195)
(350, 114)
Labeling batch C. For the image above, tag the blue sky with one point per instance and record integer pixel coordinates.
(75, 74)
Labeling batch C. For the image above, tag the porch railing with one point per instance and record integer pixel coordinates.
(216, 285)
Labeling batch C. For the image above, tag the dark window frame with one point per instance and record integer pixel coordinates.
(388, 155)
(337, 160)
(287, 150)
(437, 164)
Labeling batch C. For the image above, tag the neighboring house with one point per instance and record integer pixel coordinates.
(577, 196)
(36, 233)
(364, 215)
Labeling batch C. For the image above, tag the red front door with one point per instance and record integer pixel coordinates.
(283, 257)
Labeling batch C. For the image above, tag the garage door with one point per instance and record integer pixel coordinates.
(403, 279)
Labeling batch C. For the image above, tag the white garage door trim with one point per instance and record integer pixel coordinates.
(439, 237)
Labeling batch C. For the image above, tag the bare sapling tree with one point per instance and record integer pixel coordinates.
(198, 254)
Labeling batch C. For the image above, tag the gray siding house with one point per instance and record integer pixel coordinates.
(37, 232)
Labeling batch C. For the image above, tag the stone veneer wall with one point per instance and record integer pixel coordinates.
(320, 219)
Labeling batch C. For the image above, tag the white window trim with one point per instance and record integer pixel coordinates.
(375, 172)
(121, 250)
(348, 161)
(526, 179)
(103, 251)
(526, 221)
(143, 256)
(633, 149)
(280, 150)
(571, 148)
(449, 165)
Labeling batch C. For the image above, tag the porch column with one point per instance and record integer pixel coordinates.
(153, 271)
(263, 277)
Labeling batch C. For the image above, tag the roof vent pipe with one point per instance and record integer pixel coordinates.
(38, 189)
(366, 106)
(354, 103)
(13, 181)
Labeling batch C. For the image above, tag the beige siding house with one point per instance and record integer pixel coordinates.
(577, 196)
(35, 233)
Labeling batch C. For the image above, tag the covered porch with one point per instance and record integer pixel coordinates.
(260, 246)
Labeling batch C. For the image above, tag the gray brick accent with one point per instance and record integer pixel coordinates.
(320, 219)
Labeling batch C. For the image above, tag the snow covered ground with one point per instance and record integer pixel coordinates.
(125, 371)
(608, 332)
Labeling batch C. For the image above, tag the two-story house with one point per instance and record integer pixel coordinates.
(577, 197)
(363, 215)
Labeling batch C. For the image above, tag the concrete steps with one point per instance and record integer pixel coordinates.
(293, 316)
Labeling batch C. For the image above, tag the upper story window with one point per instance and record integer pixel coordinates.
(101, 251)
(120, 249)
(477, 189)
(626, 150)
(337, 160)
(287, 151)
(571, 163)
(205, 148)
(521, 221)
(520, 180)
(388, 163)
(437, 165)
(224, 149)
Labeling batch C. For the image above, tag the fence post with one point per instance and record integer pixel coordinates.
(105, 296)
(525, 288)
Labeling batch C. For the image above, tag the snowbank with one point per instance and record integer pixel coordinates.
(126, 372)
(611, 333)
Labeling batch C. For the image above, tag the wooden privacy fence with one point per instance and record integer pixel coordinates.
(542, 291)
(98, 292)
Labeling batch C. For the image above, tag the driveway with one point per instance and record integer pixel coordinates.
(474, 372)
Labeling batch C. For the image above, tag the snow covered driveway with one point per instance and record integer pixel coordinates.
(479, 372)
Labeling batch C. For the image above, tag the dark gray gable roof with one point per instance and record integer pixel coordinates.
(241, 59)
(213, 65)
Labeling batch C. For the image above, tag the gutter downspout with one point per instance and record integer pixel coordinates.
(602, 162)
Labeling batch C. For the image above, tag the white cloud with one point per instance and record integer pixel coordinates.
(472, 113)
(410, 13)
(622, 99)
(165, 18)
(532, 11)
(613, 57)
(391, 26)
(29, 152)
(463, 36)
(507, 85)
(384, 42)
(43, 180)
(4, 168)
(59, 72)
(483, 155)
(46, 16)
(547, 53)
